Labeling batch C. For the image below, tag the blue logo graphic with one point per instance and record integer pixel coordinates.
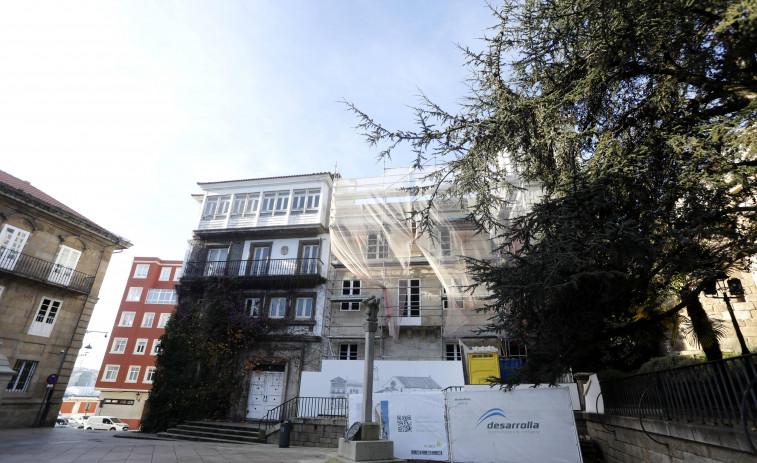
(490, 413)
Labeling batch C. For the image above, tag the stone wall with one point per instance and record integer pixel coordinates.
(314, 432)
(622, 439)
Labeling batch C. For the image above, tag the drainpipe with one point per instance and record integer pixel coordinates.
(42, 414)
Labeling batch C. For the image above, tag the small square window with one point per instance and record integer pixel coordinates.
(127, 319)
(350, 287)
(135, 293)
(147, 319)
(140, 271)
(452, 351)
(347, 351)
(165, 274)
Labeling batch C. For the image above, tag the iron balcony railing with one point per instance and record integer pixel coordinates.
(254, 268)
(42, 270)
(722, 392)
(306, 407)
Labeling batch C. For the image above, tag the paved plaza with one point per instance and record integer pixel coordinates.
(68, 445)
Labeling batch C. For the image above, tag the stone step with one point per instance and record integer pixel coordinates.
(212, 434)
(171, 436)
(249, 432)
(225, 425)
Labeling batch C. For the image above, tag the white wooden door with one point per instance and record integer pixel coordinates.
(12, 241)
(266, 390)
(64, 266)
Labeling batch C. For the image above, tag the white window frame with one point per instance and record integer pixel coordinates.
(376, 246)
(119, 347)
(141, 344)
(216, 207)
(135, 294)
(245, 205)
(279, 303)
(45, 317)
(149, 375)
(304, 308)
(127, 319)
(165, 274)
(351, 287)
(155, 347)
(348, 351)
(298, 201)
(452, 351)
(161, 296)
(163, 320)
(445, 242)
(282, 202)
(133, 375)
(408, 290)
(313, 201)
(141, 270)
(24, 373)
(177, 274)
(65, 265)
(12, 242)
(349, 306)
(147, 320)
(252, 308)
(110, 373)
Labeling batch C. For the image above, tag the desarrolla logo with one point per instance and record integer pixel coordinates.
(498, 412)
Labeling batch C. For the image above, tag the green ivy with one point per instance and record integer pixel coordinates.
(204, 354)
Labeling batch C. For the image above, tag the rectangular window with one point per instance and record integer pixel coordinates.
(409, 297)
(278, 307)
(282, 203)
(43, 322)
(216, 262)
(149, 375)
(163, 320)
(140, 271)
(298, 201)
(119, 345)
(165, 274)
(12, 241)
(347, 351)
(445, 242)
(133, 375)
(252, 306)
(127, 319)
(459, 303)
(177, 274)
(245, 204)
(135, 293)
(452, 351)
(155, 347)
(140, 347)
(313, 201)
(350, 306)
(65, 265)
(24, 372)
(147, 319)
(88, 406)
(111, 373)
(119, 401)
(269, 201)
(304, 307)
(217, 207)
(350, 287)
(161, 296)
(2, 288)
(309, 259)
(377, 247)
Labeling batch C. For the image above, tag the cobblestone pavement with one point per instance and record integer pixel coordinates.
(68, 445)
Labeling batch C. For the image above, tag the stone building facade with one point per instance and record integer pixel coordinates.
(52, 263)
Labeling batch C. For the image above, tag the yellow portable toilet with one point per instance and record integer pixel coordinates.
(483, 363)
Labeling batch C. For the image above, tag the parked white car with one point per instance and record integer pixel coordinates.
(109, 423)
(78, 421)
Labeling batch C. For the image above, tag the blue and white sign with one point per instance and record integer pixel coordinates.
(526, 425)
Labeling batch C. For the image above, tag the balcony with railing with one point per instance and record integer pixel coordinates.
(303, 272)
(45, 271)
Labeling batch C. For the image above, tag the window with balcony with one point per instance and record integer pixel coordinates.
(165, 274)
(133, 374)
(278, 307)
(377, 247)
(163, 320)
(409, 297)
(65, 265)
(140, 347)
(161, 296)
(24, 372)
(43, 322)
(140, 270)
(308, 258)
(304, 307)
(147, 319)
(119, 346)
(127, 319)
(12, 241)
(216, 207)
(134, 295)
(245, 205)
(348, 351)
(111, 373)
(215, 264)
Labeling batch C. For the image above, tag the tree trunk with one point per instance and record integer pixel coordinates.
(703, 330)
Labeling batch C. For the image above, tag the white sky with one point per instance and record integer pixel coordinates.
(118, 108)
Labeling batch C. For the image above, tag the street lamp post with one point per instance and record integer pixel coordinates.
(733, 286)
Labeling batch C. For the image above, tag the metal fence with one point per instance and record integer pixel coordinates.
(254, 268)
(45, 271)
(722, 392)
(307, 407)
